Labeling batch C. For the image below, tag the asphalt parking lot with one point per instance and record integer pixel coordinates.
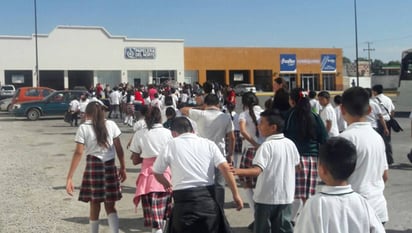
(36, 156)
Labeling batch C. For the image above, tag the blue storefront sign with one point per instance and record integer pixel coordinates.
(287, 62)
(328, 62)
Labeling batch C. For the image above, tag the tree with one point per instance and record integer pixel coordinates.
(394, 63)
(346, 60)
(377, 66)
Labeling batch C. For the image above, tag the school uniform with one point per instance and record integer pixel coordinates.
(100, 179)
(373, 116)
(192, 160)
(308, 150)
(249, 150)
(329, 114)
(156, 201)
(387, 108)
(213, 124)
(338, 209)
(339, 119)
(371, 163)
(275, 187)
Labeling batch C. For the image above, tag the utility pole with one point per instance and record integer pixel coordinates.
(37, 50)
(356, 42)
(369, 49)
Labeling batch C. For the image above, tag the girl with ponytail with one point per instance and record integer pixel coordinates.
(307, 131)
(99, 139)
(248, 121)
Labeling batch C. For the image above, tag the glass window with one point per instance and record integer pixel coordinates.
(32, 92)
(329, 82)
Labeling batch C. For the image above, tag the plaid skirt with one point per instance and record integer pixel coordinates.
(130, 109)
(306, 177)
(100, 181)
(157, 207)
(247, 162)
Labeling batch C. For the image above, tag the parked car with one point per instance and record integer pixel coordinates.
(5, 104)
(7, 91)
(24, 94)
(242, 88)
(55, 104)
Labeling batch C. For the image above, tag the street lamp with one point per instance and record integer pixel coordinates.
(35, 38)
(356, 43)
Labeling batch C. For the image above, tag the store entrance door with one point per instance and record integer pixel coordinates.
(308, 82)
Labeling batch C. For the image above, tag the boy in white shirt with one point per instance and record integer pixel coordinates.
(274, 165)
(328, 114)
(337, 208)
(371, 170)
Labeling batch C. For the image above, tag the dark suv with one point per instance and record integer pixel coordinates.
(55, 104)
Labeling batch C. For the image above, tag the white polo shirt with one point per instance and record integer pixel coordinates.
(329, 114)
(85, 135)
(337, 209)
(149, 143)
(277, 157)
(371, 163)
(385, 101)
(192, 160)
(212, 124)
(373, 116)
(250, 125)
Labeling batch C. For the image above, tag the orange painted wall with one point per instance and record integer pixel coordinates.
(243, 58)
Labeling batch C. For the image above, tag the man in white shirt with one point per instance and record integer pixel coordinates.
(215, 125)
(114, 99)
(192, 160)
(388, 110)
(328, 114)
(371, 170)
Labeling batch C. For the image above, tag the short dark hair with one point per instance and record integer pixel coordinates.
(338, 156)
(170, 111)
(208, 87)
(211, 99)
(324, 94)
(337, 99)
(355, 101)
(181, 125)
(378, 88)
(312, 94)
(274, 118)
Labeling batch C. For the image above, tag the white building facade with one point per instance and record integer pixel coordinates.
(72, 56)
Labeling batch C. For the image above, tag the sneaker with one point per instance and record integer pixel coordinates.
(251, 226)
(409, 155)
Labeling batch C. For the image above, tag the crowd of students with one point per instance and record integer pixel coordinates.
(188, 151)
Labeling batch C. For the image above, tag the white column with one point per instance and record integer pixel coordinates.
(2, 79)
(66, 79)
(150, 78)
(35, 77)
(95, 78)
(123, 76)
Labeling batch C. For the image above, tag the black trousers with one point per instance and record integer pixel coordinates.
(387, 140)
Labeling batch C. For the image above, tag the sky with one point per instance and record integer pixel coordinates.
(230, 23)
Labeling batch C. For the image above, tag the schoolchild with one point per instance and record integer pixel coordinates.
(314, 103)
(170, 115)
(274, 165)
(339, 118)
(371, 170)
(99, 140)
(74, 109)
(145, 147)
(248, 122)
(337, 208)
(328, 114)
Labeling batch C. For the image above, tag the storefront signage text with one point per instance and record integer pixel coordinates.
(288, 62)
(140, 53)
(328, 62)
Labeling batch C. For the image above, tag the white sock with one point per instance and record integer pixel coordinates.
(94, 226)
(126, 119)
(113, 220)
(249, 199)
